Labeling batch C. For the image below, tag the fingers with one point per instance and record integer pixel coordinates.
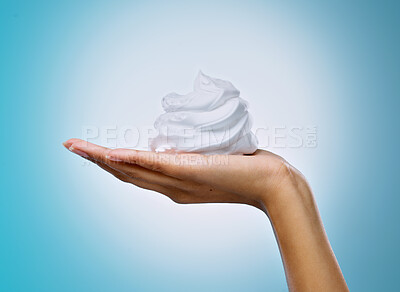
(67, 144)
(135, 181)
(87, 149)
(193, 167)
(100, 154)
(175, 194)
(227, 172)
(187, 165)
(231, 173)
(160, 162)
(138, 172)
(185, 178)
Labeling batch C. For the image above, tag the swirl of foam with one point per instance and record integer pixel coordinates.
(213, 119)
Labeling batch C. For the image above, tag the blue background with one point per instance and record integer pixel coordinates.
(67, 226)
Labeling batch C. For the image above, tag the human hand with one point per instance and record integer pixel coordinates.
(193, 178)
(263, 180)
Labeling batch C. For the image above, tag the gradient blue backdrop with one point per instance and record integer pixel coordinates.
(66, 226)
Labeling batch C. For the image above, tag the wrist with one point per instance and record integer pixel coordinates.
(287, 193)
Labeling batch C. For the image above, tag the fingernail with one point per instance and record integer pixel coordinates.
(80, 153)
(66, 145)
(112, 158)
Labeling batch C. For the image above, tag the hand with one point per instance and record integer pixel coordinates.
(263, 180)
(194, 178)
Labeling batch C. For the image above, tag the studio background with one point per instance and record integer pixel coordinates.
(68, 226)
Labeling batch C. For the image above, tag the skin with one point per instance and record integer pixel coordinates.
(263, 180)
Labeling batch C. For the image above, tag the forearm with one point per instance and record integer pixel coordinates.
(309, 262)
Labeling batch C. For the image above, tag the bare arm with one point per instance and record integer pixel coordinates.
(310, 264)
(263, 180)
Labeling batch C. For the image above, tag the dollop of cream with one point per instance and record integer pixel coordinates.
(213, 119)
